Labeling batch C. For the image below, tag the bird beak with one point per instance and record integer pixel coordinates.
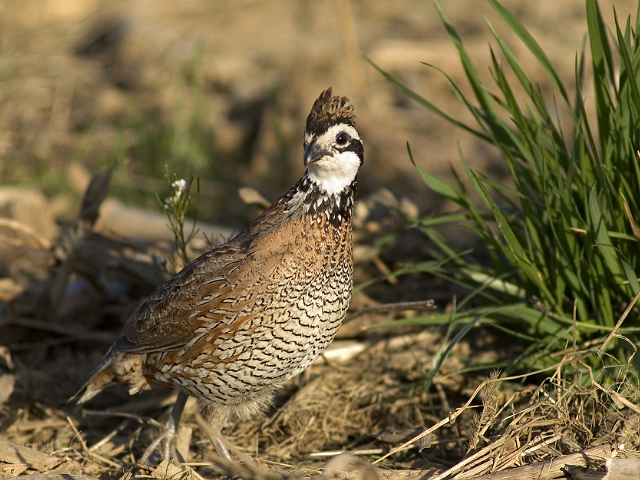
(313, 153)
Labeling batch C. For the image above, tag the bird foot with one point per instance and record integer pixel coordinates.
(168, 436)
(167, 439)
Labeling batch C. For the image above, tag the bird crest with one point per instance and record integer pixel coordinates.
(329, 110)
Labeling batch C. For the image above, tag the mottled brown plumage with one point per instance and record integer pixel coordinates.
(245, 317)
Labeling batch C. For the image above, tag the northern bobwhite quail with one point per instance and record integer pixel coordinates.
(239, 321)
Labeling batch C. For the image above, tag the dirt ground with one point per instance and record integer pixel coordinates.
(73, 73)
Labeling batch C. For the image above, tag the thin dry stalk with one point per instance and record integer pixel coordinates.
(350, 38)
(392, 308)
(88, 452)
(618, 324)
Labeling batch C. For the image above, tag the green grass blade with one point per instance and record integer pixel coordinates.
(625, 54)
(426, 103)
(515, 252)
(441, 357)
(532, 45)
(470, 70)
(439, 186)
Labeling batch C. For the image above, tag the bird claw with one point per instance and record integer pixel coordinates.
(169, 450)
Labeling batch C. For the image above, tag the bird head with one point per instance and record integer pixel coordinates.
(333, 151)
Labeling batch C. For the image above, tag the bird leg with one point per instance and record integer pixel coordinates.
(168, 436)
(220, 447)
(214, 435)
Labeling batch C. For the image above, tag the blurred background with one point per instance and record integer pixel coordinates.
(221, 89)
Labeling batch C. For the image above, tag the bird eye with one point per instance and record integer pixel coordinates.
(342, 139)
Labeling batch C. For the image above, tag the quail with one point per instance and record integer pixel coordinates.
(242, 319)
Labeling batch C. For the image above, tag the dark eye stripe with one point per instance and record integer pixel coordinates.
(354, 146)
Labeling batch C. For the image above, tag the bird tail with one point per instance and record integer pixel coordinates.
(115, 367)
(97, 380)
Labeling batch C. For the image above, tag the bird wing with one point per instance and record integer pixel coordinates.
(210, 291)
(168, 319)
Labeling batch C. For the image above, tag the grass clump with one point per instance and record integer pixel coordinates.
(562, 243)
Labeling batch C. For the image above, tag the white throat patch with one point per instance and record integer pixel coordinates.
(335, 172)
